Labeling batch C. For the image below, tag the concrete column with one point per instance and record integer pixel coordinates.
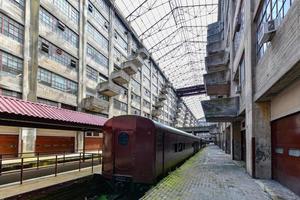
(33, 48)
(27, 139)
(79, 141)
(258, 131)
(129, 83)
(111, 57)
(27, 136)
(82, 53)
(236, 140)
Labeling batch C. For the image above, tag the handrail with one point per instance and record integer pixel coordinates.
(55, 161)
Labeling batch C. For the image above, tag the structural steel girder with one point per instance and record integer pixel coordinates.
(191, 91)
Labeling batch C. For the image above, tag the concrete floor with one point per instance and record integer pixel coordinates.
(211, 174)
(7, 191)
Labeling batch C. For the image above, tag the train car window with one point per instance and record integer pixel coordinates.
(176, 147)
(123, 138)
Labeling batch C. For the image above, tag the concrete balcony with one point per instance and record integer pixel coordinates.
(156, 113)
(217, 62)
(109, 88)
(215, 28)
(221, 110)
(159, 104)
(165, 90)
(95, 104)
(120, 77)
(131, 66)
(142, 52)
(215, 47)
(217, 83)
(162, 97)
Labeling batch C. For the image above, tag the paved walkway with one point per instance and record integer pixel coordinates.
(210, 174)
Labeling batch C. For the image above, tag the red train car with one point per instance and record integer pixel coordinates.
(139, 150)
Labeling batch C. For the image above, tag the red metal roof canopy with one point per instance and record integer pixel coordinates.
(16, 112)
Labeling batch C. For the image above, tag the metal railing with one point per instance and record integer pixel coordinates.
(18, 169)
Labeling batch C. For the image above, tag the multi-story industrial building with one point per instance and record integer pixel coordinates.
(80, 55)
(253, 79)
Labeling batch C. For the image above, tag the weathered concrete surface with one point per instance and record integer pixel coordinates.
(210, 174)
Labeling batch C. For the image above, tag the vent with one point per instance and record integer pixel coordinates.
(106, 25)
(45, 47)
(61, 26)
(73, 63)
(90, 8)
(59, 51)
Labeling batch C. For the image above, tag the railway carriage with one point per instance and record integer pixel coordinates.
(140, 150)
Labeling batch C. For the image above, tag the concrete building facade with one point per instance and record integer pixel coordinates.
(79, 55)
(253, 79)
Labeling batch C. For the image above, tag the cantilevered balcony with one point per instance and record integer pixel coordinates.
(215, 32)
(156, 113)
(120, 77)
(215, 27)
(95, 104)
(109, 88)
(131, 66)
(215, 47)
(159, 104)
(217, 62)
(217, 83)
(143, 53)
(162, 97)
(221, 110)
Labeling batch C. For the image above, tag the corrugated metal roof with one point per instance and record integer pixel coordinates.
(15, 106)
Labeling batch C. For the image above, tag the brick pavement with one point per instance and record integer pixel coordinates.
(210, 174)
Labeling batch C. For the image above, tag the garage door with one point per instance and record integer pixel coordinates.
(93, 143)
(9, 145)
(53, 144)
(286, 151)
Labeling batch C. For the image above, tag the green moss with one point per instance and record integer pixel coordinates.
(175, 180)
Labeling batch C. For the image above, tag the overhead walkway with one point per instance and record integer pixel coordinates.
(211, 174)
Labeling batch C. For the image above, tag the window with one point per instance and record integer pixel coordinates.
(119, 57)
(120, 105)
(294, 152)
(270, 10)
(11, 28)
(135, 111)
(97, 36)
(56, 81)
(91, 73)
(10, 93)
(146, 104)
(47, 102)
(147, 70)
(56, 54)
(146, 82)
(19, 3)
(99, 18)
(68, 10)
(96, 56)
(136, 87)
(279, 150)
(103, 7)
(135, 98)
(120, 27)
(67, 34)
(10, 64)
(147, 92)
(121, 41)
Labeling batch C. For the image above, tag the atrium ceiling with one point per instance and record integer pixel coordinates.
(174, 32)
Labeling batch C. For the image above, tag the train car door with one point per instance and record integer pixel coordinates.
(124, 153)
